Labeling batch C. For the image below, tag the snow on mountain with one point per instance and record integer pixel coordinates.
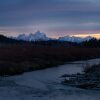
(87, 38)
(38, 36)
(33, 37)
(22, 37)
(74, 39)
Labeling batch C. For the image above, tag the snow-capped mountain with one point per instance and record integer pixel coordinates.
(87, 38)
(38, 36)
(74, 39)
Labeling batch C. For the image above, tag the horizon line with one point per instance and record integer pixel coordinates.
(82, 35)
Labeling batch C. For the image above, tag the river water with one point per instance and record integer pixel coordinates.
(45, 84)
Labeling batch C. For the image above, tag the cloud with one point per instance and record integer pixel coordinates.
(51, 14)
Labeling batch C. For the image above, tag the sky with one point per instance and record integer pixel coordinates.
(53, 17)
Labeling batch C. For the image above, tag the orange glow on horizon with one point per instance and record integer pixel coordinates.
(97, 35)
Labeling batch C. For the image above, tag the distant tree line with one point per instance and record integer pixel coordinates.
(91, 43)
(5, 40)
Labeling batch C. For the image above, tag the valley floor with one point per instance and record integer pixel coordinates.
(20, 58)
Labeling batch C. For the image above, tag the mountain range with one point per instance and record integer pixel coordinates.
(40, 36)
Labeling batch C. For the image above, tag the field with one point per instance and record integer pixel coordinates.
(19, 58)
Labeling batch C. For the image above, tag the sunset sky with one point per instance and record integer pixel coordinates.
(53, 17)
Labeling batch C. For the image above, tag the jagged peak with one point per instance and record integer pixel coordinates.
(33, 37)
(38, 35)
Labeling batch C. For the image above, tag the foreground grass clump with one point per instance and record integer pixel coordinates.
(13, 68)
(95, 69)
(88, 79)
(17, 58)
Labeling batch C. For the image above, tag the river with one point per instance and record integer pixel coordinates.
(45, 84)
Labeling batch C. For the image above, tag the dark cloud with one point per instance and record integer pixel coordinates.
(51, 14)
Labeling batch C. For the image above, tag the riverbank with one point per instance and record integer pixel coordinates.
(17, 59)
(89, 78)
(46, 84)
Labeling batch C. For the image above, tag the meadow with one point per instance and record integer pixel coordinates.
(20, 58)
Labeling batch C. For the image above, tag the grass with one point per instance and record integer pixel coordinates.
(17, 58)
(95, 69)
